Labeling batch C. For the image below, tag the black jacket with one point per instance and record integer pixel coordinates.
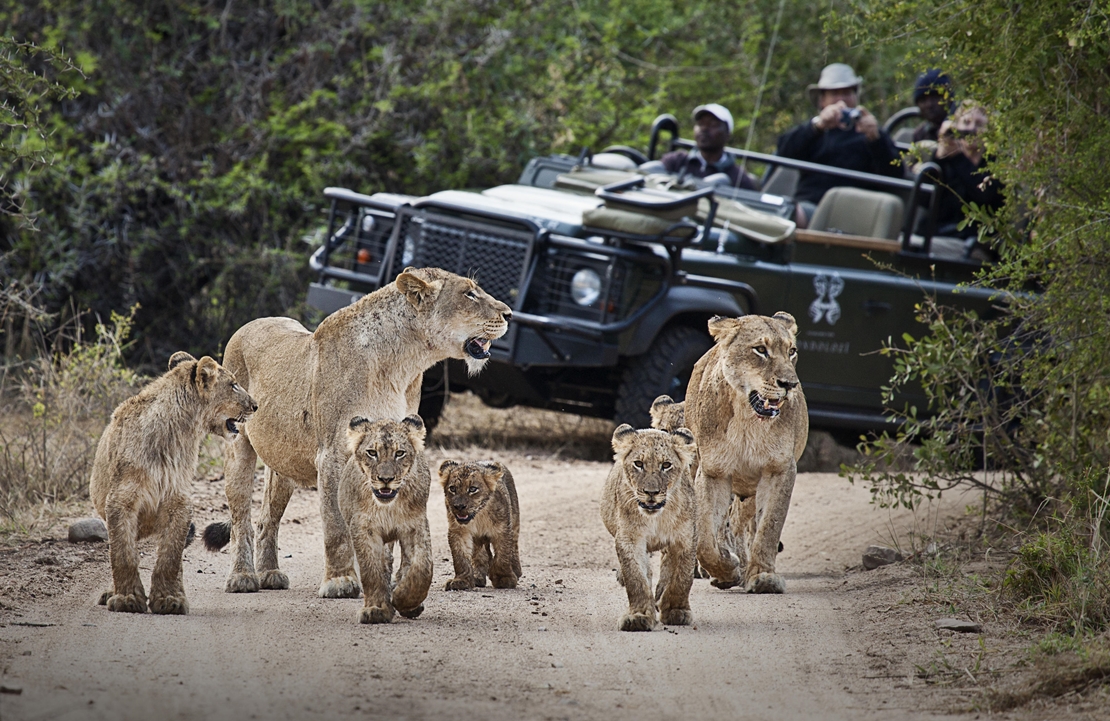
(839, 148)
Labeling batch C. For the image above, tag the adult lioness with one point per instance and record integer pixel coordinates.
(366, 360)
(749, 416)
(143, 466)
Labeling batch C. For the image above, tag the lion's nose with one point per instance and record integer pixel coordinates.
(254, 407)
(787, 385)
(385, 479)
(507, 315)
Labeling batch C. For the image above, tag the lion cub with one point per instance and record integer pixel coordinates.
(648, 505)
(482, 511)
(143, 466)
(383, 495)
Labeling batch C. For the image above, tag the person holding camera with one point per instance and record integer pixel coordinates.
(964, 176)
(843, 134)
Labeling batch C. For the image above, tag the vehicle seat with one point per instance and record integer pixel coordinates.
(854, 211)
(782, 181)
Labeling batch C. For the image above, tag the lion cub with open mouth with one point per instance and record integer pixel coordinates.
(483, 524)
(144, 464)
(383, 495)
(648, 505)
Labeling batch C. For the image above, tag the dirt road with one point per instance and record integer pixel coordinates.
(547, 650)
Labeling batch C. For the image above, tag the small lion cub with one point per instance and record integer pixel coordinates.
(383, 495)
(142, 470)
(648, 505)
(482, 511)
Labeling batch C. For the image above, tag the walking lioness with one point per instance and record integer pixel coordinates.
(367, 360)
(143, 466)
(749, 416)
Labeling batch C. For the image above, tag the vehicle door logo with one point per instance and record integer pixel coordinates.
(828, 287)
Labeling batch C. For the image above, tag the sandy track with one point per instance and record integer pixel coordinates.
(547, 650)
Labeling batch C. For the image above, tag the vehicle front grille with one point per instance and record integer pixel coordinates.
(495, 257)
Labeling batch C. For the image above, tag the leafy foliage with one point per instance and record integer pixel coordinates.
(1043, 70)
(191, 149)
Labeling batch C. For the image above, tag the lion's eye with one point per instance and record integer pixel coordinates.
(399, 454)
(761, 351)
(793, 352)
(472, 490)
(664, 465)
(472, 294)
(450, 489)
(639, 465)
(372, 453)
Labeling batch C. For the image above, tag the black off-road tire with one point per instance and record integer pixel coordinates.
(664, 369)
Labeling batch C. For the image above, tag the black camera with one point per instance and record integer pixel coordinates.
(848, 117)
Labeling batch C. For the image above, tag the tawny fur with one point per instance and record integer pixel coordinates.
(647, 505)
(383, 496)
(745, 454)
(367, 360)
(142, 470)
(483, 524)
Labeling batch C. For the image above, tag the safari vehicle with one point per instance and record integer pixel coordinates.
(612, 273)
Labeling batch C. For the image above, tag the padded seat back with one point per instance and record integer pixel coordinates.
(854, 211)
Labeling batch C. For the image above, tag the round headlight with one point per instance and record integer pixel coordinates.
(585, 287)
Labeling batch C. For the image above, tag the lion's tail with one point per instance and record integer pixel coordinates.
(217, 535)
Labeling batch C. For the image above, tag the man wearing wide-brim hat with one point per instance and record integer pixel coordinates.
(843, 134)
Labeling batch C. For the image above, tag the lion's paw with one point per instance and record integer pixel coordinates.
(339, 587)
(676, 617)
(169, 604)
(480, 581)
(767, 583)
(637, 622)
(103, 600)
(241, 583)
(508, 581)
(127, 603)
(459, 584)
(376, 614)
(273, 579)
(412, 612)
(722, 583)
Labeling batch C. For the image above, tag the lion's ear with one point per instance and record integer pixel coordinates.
(178, 358)
(414, 424)
(787, 320)
(445, 469)
(495, 472)
(414, 288)
(355, 433)
(684, 445)
(720, 327)
(622, 437)
(206, 372)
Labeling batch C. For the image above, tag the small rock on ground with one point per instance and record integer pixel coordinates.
(88, 530)
(955, 624)
(876, 556)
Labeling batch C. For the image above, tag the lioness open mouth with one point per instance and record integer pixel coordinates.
(232, 425)
(765, 408)
(652, 507)
(385, 494)
(465, 518)
(478, 348)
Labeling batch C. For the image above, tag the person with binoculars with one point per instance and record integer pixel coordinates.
(843, 134)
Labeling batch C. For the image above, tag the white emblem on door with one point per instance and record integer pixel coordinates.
(828, 287)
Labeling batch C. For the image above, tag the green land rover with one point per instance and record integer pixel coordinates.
(612, 272)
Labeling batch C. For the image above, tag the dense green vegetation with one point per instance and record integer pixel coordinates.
(1043, 70)
(189, 165)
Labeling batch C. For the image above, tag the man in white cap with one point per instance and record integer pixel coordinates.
(843, 134)
(712, 130)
